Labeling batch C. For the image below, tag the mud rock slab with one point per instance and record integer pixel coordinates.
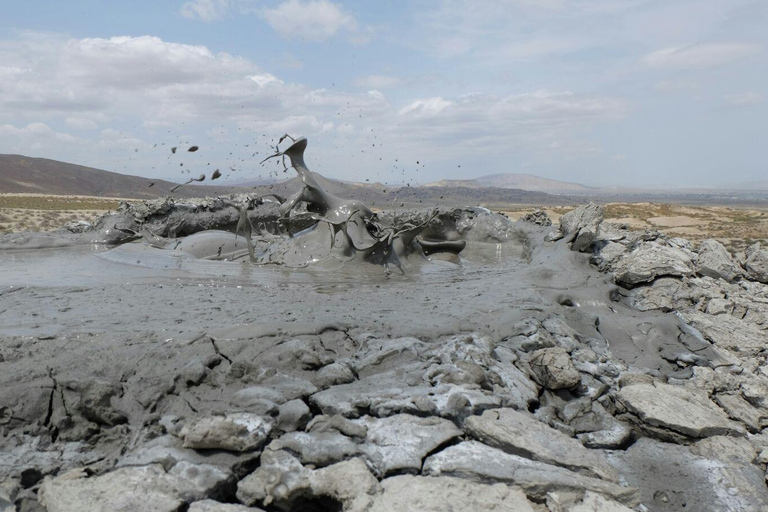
(317, 448)
(688, 412)
(521, 434)
(728, 332)
(739, 409)
(215, 506)
(146, 488)
(283, 483)
(480, 463)
(673, 478)
(238, 432)
(756, 262)
(168, 451)
(716, 262)
(386, 394)
(400, 443)
(554, 369)
(651, 260)
(432, 494)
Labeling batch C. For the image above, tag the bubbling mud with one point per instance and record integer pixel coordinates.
(342, 231)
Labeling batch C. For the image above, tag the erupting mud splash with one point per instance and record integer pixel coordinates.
(344, 230)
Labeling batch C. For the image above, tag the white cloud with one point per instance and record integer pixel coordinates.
(205, 10)
(700, 56)
(311, 20)
(377, 81)
(744, 99)
(81, 123)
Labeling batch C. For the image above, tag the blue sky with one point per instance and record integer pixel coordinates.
(619, 92)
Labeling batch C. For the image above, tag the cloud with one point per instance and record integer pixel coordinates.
(311, 20)
(700, 56)
(744, 99)
(144, 91)
(377, 81)
(80, 123)
(205, 10)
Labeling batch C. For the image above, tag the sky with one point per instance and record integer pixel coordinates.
(598, 92)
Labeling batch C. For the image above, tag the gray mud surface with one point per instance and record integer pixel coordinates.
(580, 368)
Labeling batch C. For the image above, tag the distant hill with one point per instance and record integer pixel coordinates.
(527, 182)
(23, 174)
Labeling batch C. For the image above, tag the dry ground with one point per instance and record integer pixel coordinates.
(30, 212)
(735, 227)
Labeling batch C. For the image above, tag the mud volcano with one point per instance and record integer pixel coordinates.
(307, 353)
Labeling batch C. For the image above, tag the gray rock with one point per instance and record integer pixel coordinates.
(96, 398)
(581, 226)
(337, 423)
(400, 443)
(687, 481)
(168, 451)
(738, 408)
(608, 255)
(386, 394)
(334, 374)
(521, 434)
(716, 262)
(651, 260)
(145, 488)
(756, 262)
(281, 482)
(608, 439)
(292, 416)
(215, 506)
(591, 502)
(316, 448)
(430, 494)
(480, 463)
(553, 368)
(686, 411)
(238, 432)
(729, 332)
(538, 217)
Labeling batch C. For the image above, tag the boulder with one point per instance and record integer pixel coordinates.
(480, 463)
(756, 262)
(686, 411)
(430, 494)
(239, 432)
(554, 369)
(521, 434)
(651, 260)
(716, 262)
